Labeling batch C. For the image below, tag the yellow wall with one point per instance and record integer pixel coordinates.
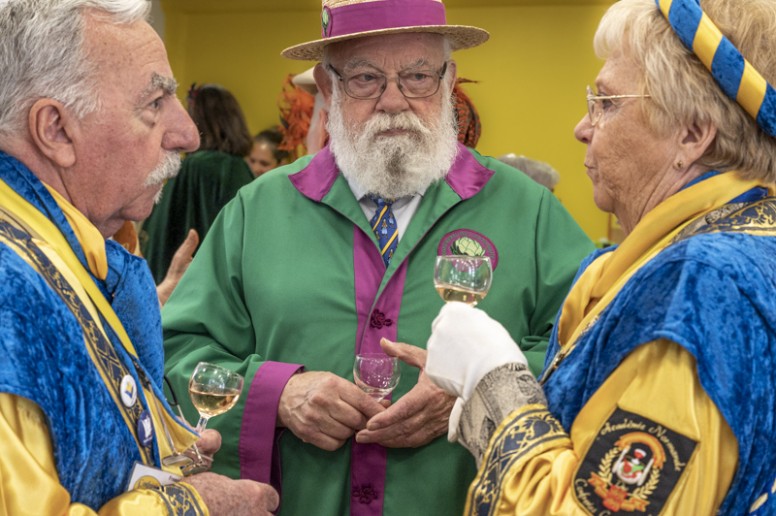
(532, 74)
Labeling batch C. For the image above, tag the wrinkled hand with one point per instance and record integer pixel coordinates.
(323, 409)
(226, 496)
(465, 345)
(418, 417)
(178, 265)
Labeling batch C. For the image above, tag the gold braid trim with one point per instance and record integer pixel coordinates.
(181, 499)
(526, 433)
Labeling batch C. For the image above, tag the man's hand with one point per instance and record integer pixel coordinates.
(222, 495)
(323, 409)
(178, 265)
(419, 417)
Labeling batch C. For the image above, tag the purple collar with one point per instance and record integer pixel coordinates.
(466, 177)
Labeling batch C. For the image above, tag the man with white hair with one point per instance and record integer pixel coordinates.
(90, 128)
(317, 261)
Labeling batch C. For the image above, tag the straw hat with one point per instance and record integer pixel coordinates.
(342, 20)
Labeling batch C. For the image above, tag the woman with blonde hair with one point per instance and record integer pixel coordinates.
(659, 391)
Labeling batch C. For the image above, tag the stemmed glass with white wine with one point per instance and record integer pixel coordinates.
(213, 390)
(463, 278)
(377, 374)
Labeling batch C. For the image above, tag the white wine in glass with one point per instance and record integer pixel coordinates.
(376, 374)
(463, 278)
(213, 390)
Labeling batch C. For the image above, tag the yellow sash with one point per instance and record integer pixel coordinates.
(26, 216)
(605, 277)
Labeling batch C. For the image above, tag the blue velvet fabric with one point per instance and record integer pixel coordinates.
(45, 358)
(715, 295)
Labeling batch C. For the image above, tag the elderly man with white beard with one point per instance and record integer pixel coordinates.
(319, 260)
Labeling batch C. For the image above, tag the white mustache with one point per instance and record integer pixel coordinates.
(167, 169)
(405, 121)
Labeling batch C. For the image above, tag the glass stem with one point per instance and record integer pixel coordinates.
(202, 423)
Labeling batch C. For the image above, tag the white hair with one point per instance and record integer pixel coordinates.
(539, 171)
(682, 90)
(42, 54)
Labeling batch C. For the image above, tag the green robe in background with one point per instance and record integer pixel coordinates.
(207, 181)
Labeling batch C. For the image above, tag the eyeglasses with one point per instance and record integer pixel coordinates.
(596, 104)
(413, 85)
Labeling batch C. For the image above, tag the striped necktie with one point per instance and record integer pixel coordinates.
(384, 226)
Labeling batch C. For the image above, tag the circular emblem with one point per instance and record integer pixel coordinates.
(326, 22)
(468, 243)
(128, 391)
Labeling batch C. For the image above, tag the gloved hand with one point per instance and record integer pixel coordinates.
(465, 345)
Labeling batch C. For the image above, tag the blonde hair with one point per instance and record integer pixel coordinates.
(683, 91)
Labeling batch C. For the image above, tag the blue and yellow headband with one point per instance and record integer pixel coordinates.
(732, 72)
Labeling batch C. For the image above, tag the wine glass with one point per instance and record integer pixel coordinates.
(463, 278)
(376, 374)
(213, 390)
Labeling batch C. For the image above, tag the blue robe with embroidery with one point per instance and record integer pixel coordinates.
(45, 358)
(713, 293)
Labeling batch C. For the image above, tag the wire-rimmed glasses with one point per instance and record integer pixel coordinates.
(368, 85)
(595, 103)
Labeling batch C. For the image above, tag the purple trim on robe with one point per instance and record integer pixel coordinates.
(257, 431)
(368, 462)
(316, 179)
(467, 176)
(369, 16)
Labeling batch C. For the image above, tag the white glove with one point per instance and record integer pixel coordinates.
(465, 345)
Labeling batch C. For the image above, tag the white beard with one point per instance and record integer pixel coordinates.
(394, 166)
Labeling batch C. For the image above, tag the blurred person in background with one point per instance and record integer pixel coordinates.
(539, 171)
(266, 153)
(209, 177)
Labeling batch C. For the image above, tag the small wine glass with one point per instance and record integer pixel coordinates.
(463, 278)
(376, 374)
(213, 390)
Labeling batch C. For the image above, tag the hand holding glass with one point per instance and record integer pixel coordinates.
(213, 390)
(463, 278)
(376, 374)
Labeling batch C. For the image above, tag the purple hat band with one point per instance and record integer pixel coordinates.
(381, 15)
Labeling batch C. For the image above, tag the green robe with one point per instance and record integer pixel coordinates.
(207, 181)
(290, 275)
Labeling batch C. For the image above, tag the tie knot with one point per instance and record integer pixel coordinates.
(380, 201)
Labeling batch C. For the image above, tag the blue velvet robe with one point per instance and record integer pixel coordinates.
(713, 293)
(45, 358)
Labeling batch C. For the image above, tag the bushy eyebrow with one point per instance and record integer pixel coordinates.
(357, 63)
(159, 82)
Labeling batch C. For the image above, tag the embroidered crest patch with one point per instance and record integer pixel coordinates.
(469, 243)
(632, 466)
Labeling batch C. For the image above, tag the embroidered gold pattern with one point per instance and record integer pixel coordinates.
(757, 218)
(180, 500)
(516, 441)
(108, 361)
